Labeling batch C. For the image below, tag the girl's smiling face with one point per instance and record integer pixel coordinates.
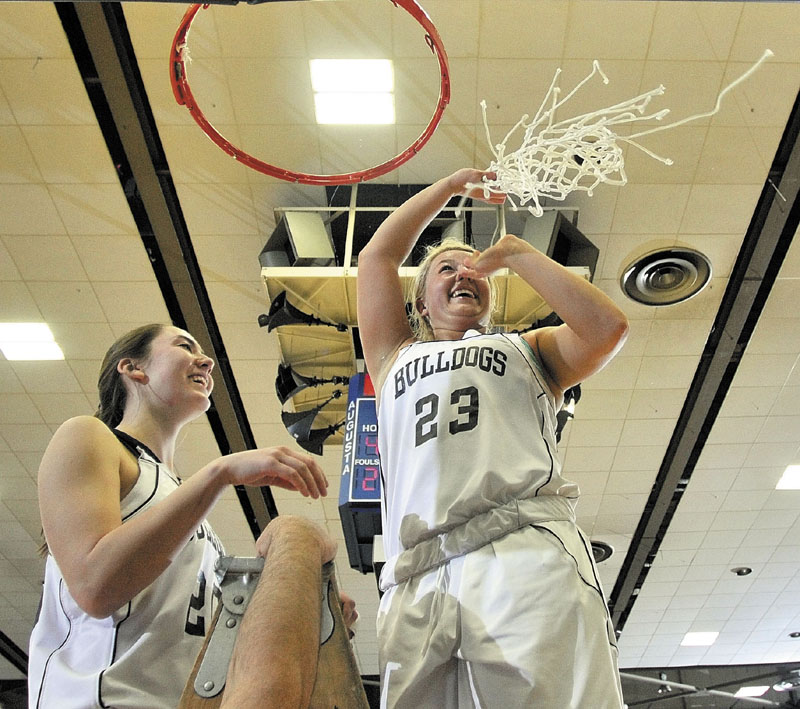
(452, 300)
(177, 370)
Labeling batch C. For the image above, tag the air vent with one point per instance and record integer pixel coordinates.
(666, 276)
(601, 551)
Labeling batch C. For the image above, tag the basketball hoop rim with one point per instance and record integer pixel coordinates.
(185, 97)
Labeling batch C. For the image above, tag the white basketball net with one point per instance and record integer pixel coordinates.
(559, 157)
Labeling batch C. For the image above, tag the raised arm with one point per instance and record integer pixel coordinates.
(594, 327)
(105, 562)
(382, 320)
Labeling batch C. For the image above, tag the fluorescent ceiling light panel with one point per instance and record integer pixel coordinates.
(790, 480)
(28, 341)
(354, 108)
(352, 75)
(699, 639)
(752, 691)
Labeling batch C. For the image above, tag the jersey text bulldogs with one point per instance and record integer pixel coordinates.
(486, 358)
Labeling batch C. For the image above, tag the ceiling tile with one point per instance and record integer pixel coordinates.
(665, 204)
(690, 88)
(718, 209)
(646, 432)
(453, 141)
(85, 373)
(741, 429)
(18, 202)
(593, 459)
(762, 98)
(717, 457)
(32, 30)
(749, 401)
(237, 260)
(666, 372)
(345, 149)
(602, 404)
(656, 404)
(712, 479)
(26, 437)
(775, 335)
(521, 92)
(194, 158)
(218, 209)
(630, 481)
(351, 30)
(782, 298)
(19, 409)
(526, 40)
(237, 302)
(597, 30)
(690, 30)
(643, 459)
(17, 303)
(8, 271)
(56, 410)
(45, 91)
(66, 301)
(283, 84)
(127, 301)
(18, 165)
(53, 149)
(46, 377)
(113, 258)
(93, 208)
(730, 156)
(769, 370)
(595, 432)
(678, 337)
(42, 258)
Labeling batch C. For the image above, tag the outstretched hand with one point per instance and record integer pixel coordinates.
(279, 466)
(468, 182)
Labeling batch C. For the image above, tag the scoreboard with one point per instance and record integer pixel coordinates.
(361, 485)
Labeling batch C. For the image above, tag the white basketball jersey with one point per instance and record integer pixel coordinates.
(142, 654)
(464, 427)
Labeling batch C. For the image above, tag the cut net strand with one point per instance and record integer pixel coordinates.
(556, 158)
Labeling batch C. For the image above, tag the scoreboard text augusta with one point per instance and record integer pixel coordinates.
(360, 491)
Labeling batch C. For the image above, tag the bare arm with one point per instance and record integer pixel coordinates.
(104, 562)
(382, 319)
(594, 328)
(274, 662)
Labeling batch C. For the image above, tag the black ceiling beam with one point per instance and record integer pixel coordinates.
(13, 653)
(775, 222)
(103, 51)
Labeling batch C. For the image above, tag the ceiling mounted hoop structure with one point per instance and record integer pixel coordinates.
(184, 97)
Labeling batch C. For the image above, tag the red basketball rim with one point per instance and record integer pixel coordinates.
(184, 96)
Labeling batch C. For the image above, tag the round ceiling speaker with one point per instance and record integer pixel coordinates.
(666, 276)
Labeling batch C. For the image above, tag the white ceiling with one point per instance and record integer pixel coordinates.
(71, 255)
